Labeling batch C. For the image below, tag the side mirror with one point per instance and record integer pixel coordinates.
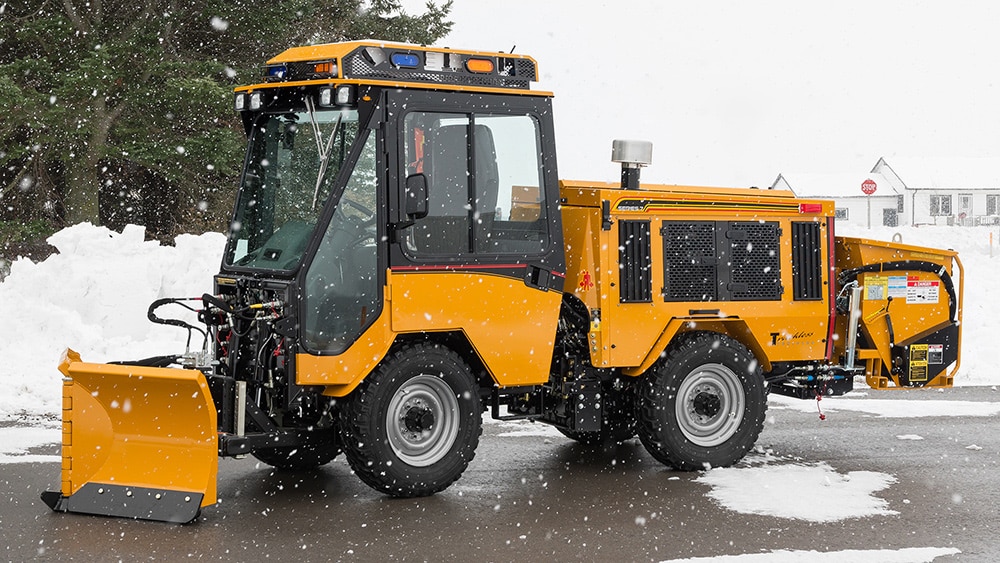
(416, 196)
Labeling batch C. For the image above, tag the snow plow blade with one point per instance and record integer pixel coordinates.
(137, 442)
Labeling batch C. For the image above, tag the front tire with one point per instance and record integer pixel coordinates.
(412, 426)
(703, 404)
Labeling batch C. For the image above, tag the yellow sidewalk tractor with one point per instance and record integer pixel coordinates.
(403, 258)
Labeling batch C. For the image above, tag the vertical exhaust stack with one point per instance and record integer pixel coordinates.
(632, 155)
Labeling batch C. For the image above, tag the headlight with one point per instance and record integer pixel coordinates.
(343, 95)
(326, 97)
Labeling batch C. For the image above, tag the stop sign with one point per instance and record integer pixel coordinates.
(868, 186)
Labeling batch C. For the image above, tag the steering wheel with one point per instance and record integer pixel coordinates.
(368, 213)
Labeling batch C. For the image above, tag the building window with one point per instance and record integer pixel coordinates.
(992, 204)
(840, 214)
(899, 203)
(940, 205)
(964, 205)
(889, 217)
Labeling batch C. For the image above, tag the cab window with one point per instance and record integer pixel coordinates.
(484, 183)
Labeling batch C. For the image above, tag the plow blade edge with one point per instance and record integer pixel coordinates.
(137, 442)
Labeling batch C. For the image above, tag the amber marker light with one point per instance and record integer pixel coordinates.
(479, 65)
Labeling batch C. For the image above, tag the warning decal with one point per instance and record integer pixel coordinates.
(935, 353)
(879, 288)
(918, 291)
(918, 362)
(876, 288)
(897, 286)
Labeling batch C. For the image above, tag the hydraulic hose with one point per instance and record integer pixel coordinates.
(848, 276)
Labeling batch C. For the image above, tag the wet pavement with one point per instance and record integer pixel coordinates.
(531, 494)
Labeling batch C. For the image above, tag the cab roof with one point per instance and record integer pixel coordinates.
(401, 65)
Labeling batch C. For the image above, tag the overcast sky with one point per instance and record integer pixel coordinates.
(734, 93)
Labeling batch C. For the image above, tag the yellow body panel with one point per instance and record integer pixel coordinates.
(511, 326)
(343, 372)
(138, 426)
(632, 335)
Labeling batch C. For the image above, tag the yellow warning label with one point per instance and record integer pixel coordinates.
(918, 362)
(876, 288)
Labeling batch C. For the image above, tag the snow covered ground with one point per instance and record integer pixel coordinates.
(92, 296)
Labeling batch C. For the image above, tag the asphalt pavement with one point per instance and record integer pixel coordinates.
(531, 496)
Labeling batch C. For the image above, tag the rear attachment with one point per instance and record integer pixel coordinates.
(908, 314)
(138, 442)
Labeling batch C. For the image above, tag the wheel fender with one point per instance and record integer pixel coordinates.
(735, 328)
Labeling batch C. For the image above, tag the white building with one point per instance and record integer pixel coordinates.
(884, 206)
(909, 191)
(946, 191)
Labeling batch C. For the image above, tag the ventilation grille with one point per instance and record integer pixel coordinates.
(807, 262)
(635, 281)
(689, 261)
(721, 261)
(755, 259)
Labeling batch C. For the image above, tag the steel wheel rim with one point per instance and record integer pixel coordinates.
(423, 447)
(710, 405)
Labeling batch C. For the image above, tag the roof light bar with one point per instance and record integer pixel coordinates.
(405, 60)
(479, 65)
(276, 72)
(409, 64)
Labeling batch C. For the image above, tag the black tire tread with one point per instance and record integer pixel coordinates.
(654, 391)
(359, 413)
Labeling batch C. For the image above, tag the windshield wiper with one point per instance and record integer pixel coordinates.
(324, 152)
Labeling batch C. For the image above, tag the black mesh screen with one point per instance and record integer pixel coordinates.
(689, 261)
(721, 261)
(755, 261)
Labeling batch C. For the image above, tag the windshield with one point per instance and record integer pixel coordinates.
(293, 162)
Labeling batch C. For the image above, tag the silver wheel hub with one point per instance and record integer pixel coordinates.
(422, 420)
(710, 405)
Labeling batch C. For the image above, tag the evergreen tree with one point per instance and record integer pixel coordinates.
(121, 111)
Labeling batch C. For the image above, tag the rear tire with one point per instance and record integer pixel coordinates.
(703, 404)
(412, 426)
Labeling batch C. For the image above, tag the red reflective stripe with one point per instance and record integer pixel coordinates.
(831, 240)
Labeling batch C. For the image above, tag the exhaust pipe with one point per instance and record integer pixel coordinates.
(632, 155)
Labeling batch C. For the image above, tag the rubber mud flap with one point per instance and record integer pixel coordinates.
(137, 442)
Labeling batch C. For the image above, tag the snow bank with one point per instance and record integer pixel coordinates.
(92, 296)
(16, 443)
(889, 408)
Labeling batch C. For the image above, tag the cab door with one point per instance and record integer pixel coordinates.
(477, 243)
